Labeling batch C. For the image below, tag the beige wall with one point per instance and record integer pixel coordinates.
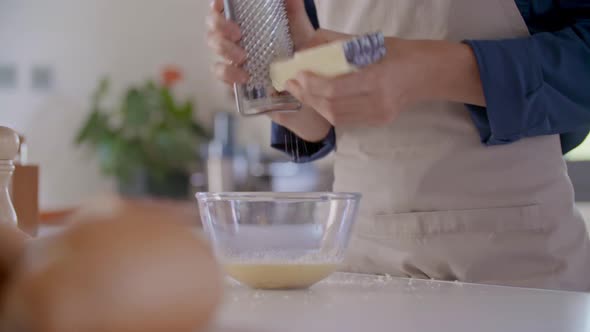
(81, 40)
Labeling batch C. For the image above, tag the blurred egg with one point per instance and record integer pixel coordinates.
(12, 245)
(129, 271)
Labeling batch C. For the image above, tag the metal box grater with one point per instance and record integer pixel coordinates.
(266, 38)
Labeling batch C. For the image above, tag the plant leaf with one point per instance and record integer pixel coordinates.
(94, 129)
(100, 92)
(135, 111)
(169, 104)
(200, 131)
(185, 112)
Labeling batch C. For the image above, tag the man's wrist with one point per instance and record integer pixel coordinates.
(440, 70)
(306, 124)
(409, 66)
(457, 67)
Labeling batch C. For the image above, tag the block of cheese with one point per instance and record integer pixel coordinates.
(326, 60)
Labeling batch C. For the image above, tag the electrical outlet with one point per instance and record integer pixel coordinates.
(8, 76)
(42, 78)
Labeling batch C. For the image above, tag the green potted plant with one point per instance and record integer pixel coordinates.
(149, 142)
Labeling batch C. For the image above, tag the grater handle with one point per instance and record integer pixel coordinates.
(230, 14)
(228, 10)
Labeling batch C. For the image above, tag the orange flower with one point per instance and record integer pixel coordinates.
(171, 75)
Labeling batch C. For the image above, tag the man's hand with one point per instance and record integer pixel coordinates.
(223, 38)
(412, 72)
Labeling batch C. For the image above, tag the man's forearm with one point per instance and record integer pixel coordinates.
(411, 72)
(306, 124)
(446, 70)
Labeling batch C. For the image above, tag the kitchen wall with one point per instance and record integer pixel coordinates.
(81, 40)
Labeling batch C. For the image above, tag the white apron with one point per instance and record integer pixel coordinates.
(436, 202)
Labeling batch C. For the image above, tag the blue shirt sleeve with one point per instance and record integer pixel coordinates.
(298, 149)
(284, 140)
(539, 85)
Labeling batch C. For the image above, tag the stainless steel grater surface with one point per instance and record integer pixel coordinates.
(266, 38)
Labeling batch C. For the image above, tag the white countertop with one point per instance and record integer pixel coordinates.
(348, 302)
(361, 303)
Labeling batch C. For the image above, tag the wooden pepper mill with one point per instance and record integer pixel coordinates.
(25, 191)
(9, 145)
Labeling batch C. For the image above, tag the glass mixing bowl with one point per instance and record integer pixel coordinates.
(279, 240)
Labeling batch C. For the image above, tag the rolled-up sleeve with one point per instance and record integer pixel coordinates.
(286, 141)
(298, 149)
(539, 85)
